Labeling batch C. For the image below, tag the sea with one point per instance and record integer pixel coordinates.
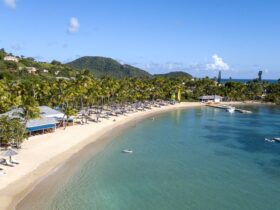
(195, 158)
(270, 81)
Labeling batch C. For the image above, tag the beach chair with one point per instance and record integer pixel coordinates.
(2, 172)
(5, 162)
(14, 162)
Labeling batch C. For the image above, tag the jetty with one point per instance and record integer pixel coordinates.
(227, 107)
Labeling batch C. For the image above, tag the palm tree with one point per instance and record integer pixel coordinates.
(29, 108)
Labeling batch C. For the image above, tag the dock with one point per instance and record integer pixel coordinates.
(225, 107)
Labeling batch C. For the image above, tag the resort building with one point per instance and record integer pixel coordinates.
(212, 98)
(48, 112)
(11, 58)
(49, 119)
(41, 124)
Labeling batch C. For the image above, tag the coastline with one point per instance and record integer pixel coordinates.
(43, 154)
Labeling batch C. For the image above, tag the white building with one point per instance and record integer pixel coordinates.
(31, 70)
(11, 58)
(212, 98)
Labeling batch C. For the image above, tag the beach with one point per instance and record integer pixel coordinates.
(43, 154)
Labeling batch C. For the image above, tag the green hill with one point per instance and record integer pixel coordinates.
(101, 66)
(175, 74)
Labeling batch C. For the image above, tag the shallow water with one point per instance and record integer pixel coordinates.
(198, 158)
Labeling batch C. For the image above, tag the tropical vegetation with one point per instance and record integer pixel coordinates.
(58, 85)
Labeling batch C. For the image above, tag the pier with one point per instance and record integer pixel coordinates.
(226, 107)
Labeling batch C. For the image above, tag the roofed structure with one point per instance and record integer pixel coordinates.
(11, 58)
(211, 98)
(48, 112)
(41, 124)
(49, 118)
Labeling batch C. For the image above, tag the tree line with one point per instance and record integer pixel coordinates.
(80, 89)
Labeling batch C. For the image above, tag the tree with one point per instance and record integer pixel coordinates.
(5, 130)
(30, 108)
(220, 77)
(11, 65)
(55, 62)
(2, 54)
(12, 131)
(19, 132)
(260, 76)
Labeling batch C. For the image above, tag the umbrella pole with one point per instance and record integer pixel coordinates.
(10, 157)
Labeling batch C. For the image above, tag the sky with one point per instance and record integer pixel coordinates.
(201, 37)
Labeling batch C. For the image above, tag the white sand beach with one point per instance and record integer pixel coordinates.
(44, 153)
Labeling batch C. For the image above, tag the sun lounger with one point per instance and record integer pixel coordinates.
(2, 171)
(15, 162)
(5, 162)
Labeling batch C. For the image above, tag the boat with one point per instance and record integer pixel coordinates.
(269, 140)
(231, 109)
(127, 151)
(276, 139)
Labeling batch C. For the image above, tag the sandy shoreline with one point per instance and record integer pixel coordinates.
(44, 153)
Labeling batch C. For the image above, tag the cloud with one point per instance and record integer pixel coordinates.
(166, 66)
(10, 3)
(74, 25)
(155, 67)
(217, 64)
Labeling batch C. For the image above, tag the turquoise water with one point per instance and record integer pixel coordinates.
(199, 158)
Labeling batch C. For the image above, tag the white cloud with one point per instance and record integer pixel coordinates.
(10, 3)
(74, 25)
(218, 64)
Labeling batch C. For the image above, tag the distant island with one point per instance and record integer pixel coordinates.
(102, 66)
(175, 74)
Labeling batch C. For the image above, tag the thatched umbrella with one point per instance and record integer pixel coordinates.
(9, 153)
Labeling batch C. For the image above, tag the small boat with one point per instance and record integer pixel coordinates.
(231, 109)
(269, 140)
(127, 151)
(276, 139)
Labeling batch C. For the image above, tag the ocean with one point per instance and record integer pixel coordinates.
(195, 158)
(271, 81)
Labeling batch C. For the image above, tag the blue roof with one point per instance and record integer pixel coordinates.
(40, 128)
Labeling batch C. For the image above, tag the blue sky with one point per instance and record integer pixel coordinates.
(239, 37)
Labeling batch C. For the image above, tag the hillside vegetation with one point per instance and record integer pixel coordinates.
(175, 74)
(101, 66)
